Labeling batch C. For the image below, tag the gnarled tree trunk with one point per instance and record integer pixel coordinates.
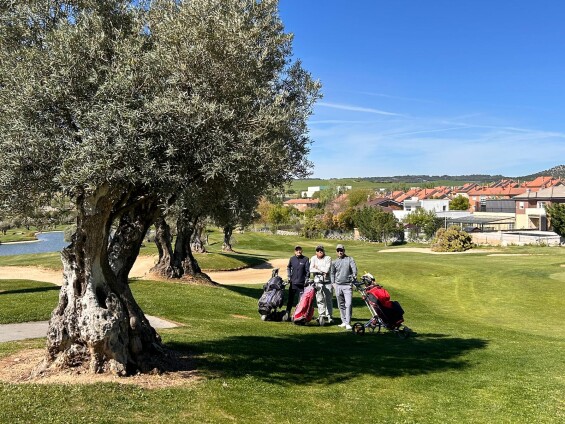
(97, 320)
(197, 244)
(163, 240)
(228, 231)
(178, 262)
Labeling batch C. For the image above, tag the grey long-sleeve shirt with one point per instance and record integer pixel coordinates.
(342, 269)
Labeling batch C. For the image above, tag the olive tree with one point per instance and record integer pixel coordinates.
(120, 106)
(422, 222)
(377, 225)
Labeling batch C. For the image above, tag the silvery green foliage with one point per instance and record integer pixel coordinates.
(157, 94)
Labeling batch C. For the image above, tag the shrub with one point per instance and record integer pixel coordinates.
(452, 239)
(313, 228)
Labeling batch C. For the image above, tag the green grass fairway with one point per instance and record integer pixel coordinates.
(489, 348)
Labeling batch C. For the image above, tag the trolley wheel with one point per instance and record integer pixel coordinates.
(263, 317)
(358, 328)
(321, 321)
(286, 317)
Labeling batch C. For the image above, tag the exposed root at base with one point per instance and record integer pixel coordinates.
(173, 369)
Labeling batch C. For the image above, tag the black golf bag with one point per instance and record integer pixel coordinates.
(272, 298)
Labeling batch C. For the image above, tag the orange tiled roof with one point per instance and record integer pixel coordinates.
(396, 194)
(302, 201)
(542, 182)
(426, 193)
(506, 192)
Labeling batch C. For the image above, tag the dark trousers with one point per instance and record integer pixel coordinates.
(292, 296)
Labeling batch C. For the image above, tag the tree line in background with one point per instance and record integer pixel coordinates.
(332, 216)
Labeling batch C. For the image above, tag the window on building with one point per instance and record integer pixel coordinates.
(521, 205)
(541, 205)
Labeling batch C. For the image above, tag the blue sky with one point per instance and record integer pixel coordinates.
(433, 87)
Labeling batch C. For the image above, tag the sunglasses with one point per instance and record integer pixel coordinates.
(339, 250)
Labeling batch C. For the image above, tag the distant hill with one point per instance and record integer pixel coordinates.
(420, 180)
(556, 172)
(474, 178)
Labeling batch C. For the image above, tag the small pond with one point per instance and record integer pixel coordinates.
(47, 242)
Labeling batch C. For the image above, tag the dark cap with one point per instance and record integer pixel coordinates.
(319, 248)
(297, 247)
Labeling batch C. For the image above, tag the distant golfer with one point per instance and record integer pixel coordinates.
(343, 272)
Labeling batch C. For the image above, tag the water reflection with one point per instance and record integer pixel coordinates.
(47, 242)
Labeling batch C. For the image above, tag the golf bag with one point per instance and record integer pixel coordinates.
(305, 309)
(272, 298)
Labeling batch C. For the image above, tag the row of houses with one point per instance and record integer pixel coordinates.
(504, 205)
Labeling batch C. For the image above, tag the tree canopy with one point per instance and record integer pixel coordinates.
(377, 225)
(423, 221)
(459, 203)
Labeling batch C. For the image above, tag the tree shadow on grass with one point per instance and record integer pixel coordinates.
(30, 290)
(248, 260)
(254, 292)
(329, 358)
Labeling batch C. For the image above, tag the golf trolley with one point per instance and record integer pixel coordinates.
(319, 279)
(385, 313)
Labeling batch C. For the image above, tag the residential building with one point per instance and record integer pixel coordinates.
(530, 207)
(302, 204)
(435, 205)
(311, 190)
(314, 189)
(479, 195)
(385, 202)
(541, 182)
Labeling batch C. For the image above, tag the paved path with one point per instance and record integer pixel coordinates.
(37, 329)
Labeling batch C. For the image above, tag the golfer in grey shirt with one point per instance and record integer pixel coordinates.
(342, 273)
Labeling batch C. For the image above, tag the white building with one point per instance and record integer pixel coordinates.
(314, 189)
(435, 205)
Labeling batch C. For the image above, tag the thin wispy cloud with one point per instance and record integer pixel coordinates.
(389, 96)
(357, 108)
(420, 146)
(334, 121)
(402, 134)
